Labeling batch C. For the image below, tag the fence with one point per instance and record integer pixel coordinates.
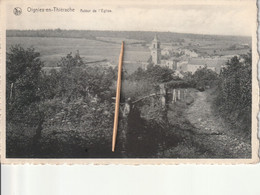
(166, 96)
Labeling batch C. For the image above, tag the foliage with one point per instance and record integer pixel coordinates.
(234, 96)
(188, 77)
(73, 105)
(51, 33)
(77, 97)
(202, 78)
(23, 77)
(136, 89)
(169, 37)
(178, 84)
(93, 118)
(153, 74)
(77, 80)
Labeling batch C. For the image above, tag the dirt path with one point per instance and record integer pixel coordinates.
(213, 132)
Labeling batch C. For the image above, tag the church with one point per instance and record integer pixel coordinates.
(156, 50)
(156, 55)
(191, 64)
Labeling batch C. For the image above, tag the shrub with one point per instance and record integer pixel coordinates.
(234, 92)
(136, 89)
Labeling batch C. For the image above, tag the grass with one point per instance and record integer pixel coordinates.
(101, 48)
(52, 49)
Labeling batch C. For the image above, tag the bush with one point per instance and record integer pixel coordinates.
(153, 74)
(47, 113)
(204, 77)
(201, 78)
(234, 92)
(136, 89)
(23, 85)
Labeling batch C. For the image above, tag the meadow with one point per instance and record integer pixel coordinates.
(105, 45)
(53, 48)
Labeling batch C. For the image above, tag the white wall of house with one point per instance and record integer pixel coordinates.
(192, 68)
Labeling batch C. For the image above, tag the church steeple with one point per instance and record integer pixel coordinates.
(156, 50)
(156, 38)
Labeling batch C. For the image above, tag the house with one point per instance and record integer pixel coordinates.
(188, 62)
(170, 63)
(193, 64)
(213, 64)
(165, 51)
(182, 66)
(178, 74)
(190, 53)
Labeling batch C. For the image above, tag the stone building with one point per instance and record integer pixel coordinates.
(190, 63)
(156, 51)
(193, 64)
(170, 63)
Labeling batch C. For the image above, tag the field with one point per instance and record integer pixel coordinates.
(53, 48)
(105, 45)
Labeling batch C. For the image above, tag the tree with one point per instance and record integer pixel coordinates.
(79, 80)
(139, 74)
(69, 62)
(61, 99)
(204, 77)
(153, 74)
(234, 93)
(188, 77)
(24, 89)
(23, 76)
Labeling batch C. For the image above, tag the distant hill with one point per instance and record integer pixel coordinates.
(105, 45)
(137, 35)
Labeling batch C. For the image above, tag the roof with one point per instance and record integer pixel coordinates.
(207, 61)
(156, 38)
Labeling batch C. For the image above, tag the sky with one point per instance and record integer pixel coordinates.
(220, 19)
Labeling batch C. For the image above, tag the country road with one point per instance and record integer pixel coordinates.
(219, 136)
(207, 135)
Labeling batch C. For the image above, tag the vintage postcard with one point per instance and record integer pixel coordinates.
(189, 89)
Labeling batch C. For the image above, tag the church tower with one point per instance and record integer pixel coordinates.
(156, 50)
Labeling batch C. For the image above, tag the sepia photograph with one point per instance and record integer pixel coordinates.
(187, 78)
